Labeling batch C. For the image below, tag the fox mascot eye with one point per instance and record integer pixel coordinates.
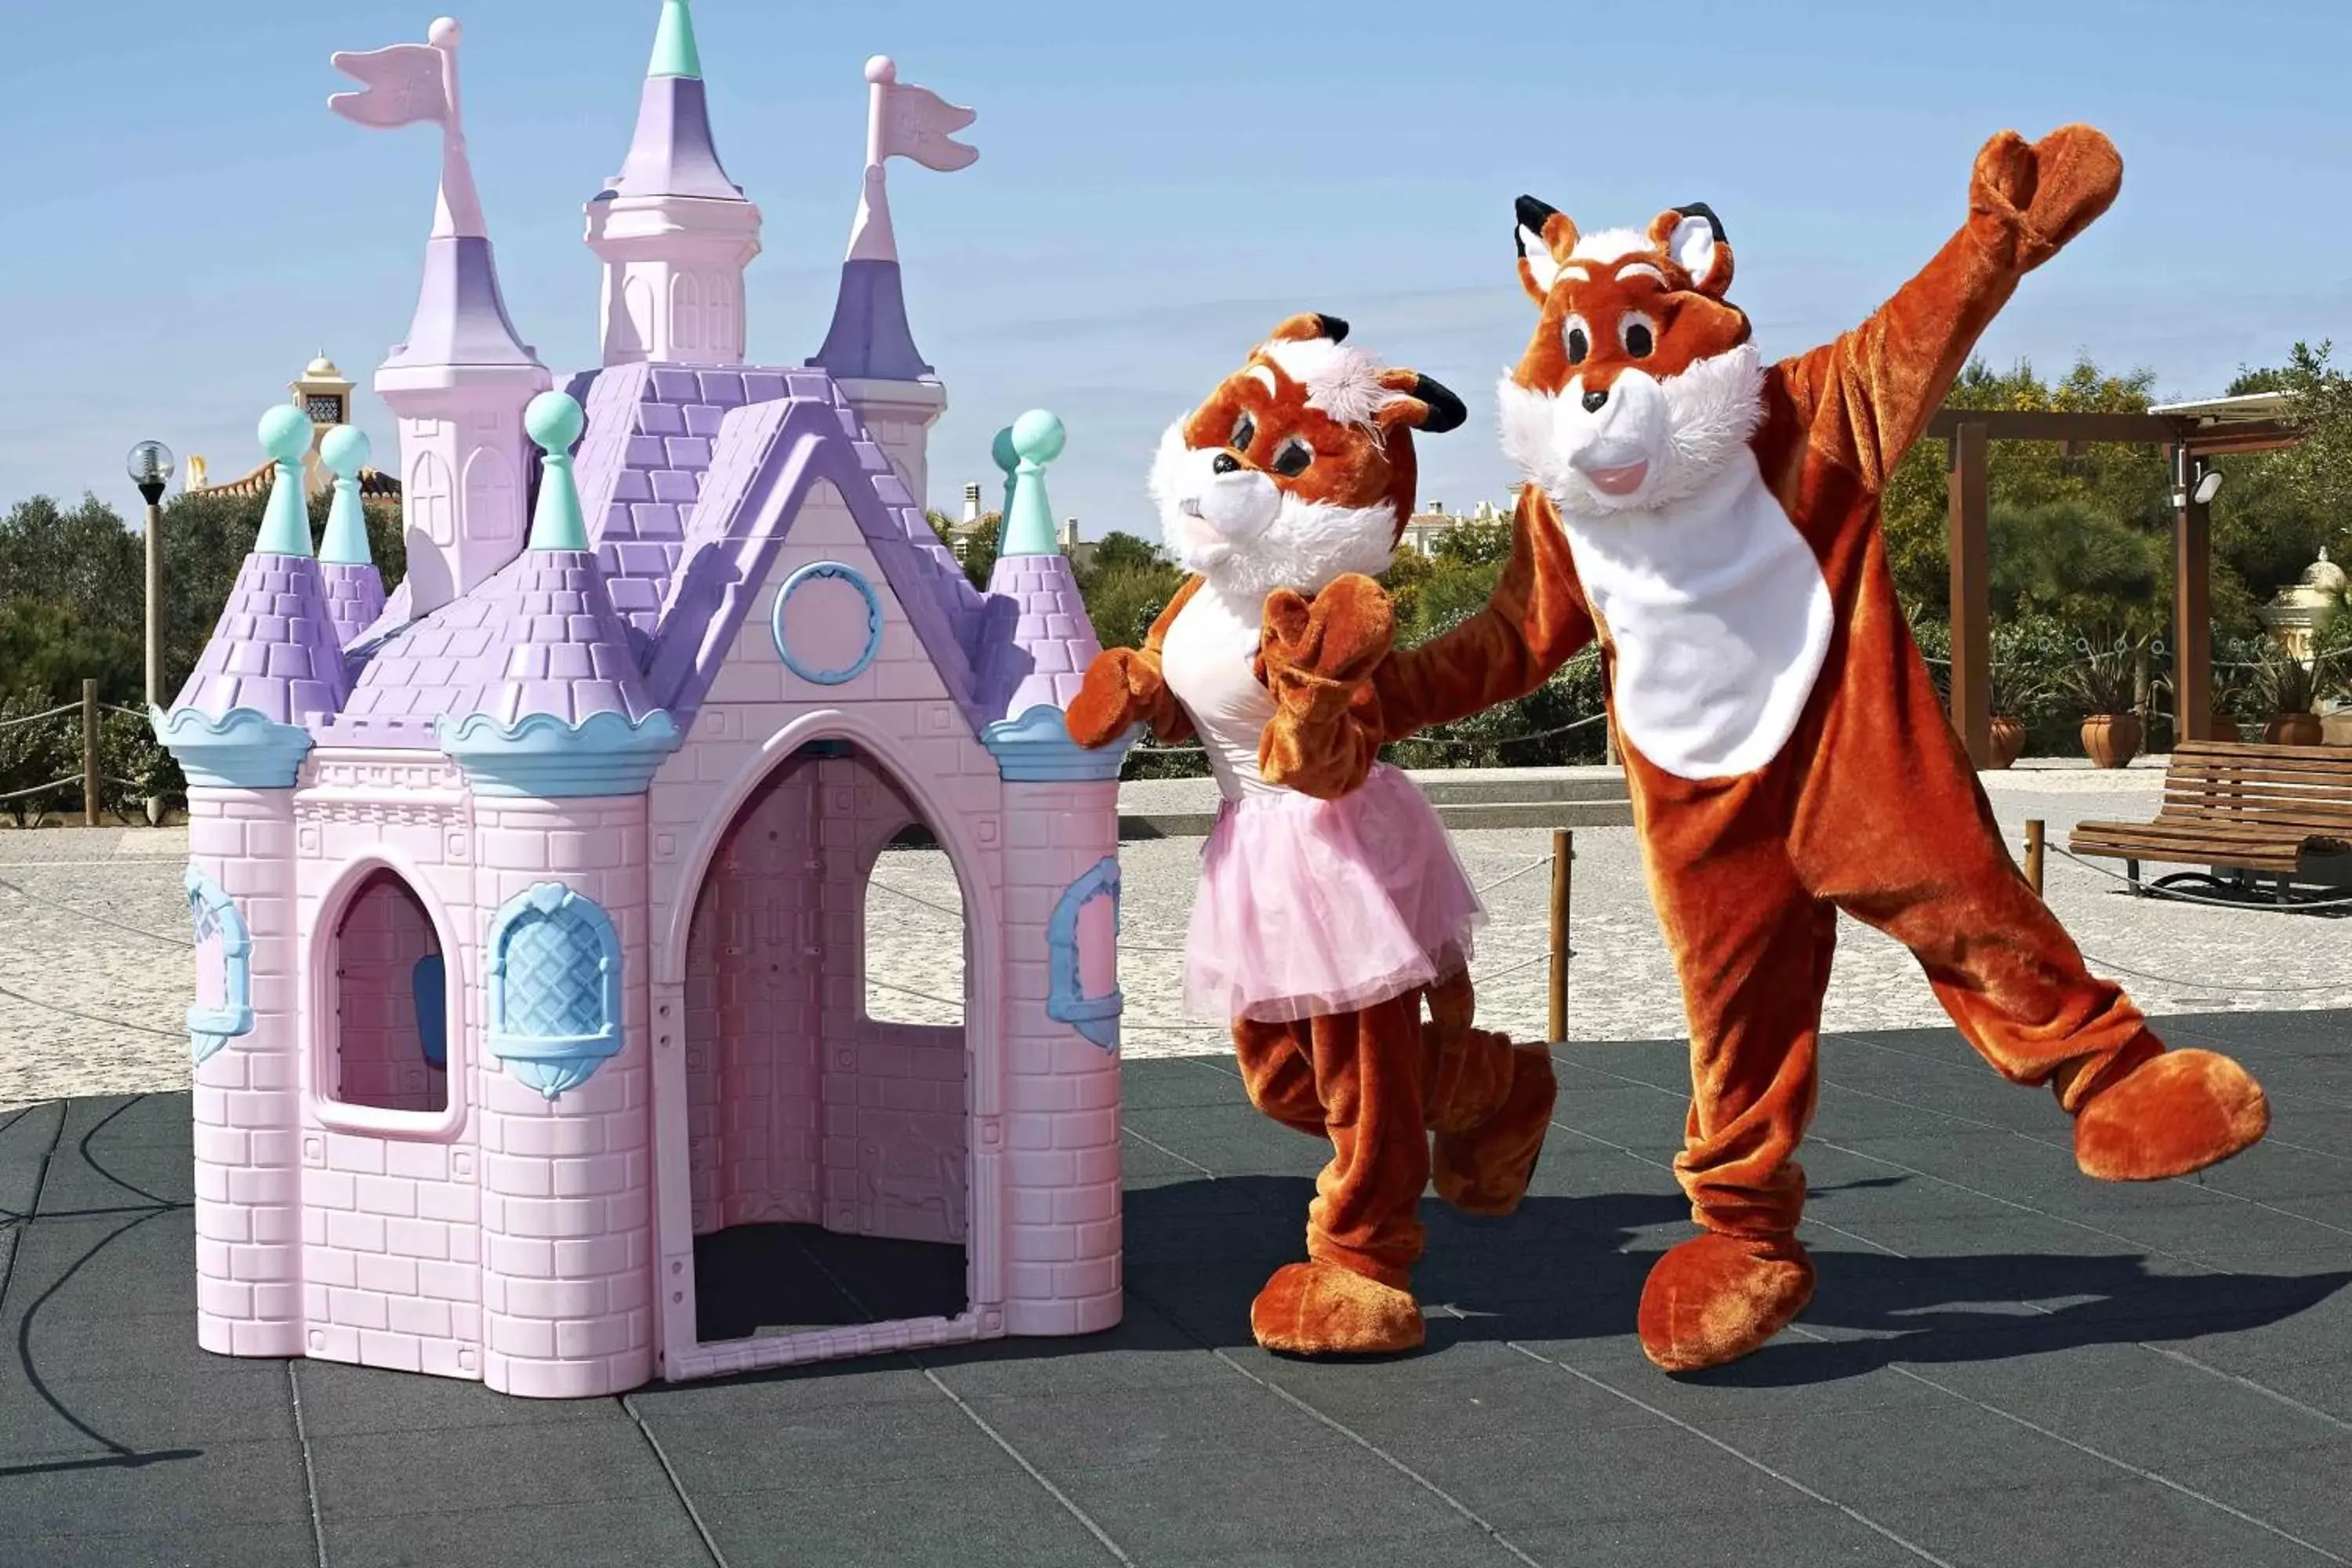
(1245, 432)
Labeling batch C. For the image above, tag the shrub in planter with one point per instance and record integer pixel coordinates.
(2290, 689)
(2104, 681)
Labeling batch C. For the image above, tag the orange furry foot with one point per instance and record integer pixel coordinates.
(1316, 1309)
(2173, 1114)
(1485, 1170)
(1713, 1298)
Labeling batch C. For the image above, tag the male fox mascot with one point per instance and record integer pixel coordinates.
(1714, 521)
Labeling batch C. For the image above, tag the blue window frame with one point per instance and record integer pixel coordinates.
(1096, 1018)
(555, 988)
(814, 572)
(428, 982)
(216, 917)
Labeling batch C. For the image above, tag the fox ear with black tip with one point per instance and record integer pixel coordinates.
(1307, 326)
(1419, 403)
(1545, 235)
(1692, 235)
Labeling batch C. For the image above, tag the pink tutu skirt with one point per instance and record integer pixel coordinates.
(1312, 907)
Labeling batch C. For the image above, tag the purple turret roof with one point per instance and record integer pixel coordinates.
(355, 597)
(461, 317)
(540, 636)
(672, 153)
(869, 338)
(571, 655)
(1043, 655)
(688, 489)
(275, 648)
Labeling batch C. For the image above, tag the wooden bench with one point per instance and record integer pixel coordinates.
(2280, 813)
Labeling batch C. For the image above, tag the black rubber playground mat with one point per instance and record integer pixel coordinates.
(2006, 1364)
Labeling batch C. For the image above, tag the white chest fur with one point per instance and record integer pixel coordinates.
(1208, 661)
(1721, 618)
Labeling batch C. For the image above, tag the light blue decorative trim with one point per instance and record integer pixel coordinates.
(210, 1028)
(1096, 1018)
(551, 1063)
(428, 982)
(856, 579)
(1037, 748)
(542, 757)
(243, 749)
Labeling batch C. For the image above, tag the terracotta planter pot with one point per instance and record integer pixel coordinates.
(2293, 729)
(2225, 726)
(2111, 740)
(2008, 740)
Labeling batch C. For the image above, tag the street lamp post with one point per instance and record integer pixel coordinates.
(151, 467)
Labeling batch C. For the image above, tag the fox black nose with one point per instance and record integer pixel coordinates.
(1224, 463)
(1595, 398)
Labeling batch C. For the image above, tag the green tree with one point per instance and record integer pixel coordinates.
(2127, 483)
(2068, 559)
(1474, 544)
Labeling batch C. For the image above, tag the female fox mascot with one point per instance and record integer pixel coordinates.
(1715, 521)
(1321, 925)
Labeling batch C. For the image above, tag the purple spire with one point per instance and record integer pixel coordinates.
(275, 650)
(869, 340)
(567, 655)
(1042, 656)
(672, 153)
(355, 597)
(461, 317)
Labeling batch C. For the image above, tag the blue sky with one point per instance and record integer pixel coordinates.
(1157, 186)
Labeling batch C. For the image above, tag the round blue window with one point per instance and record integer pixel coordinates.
(783, 621)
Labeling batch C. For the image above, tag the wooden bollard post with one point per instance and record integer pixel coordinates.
(2033, 853)
(90, 753)
(1563, 853)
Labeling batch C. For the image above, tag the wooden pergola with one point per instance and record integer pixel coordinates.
(2191, 435)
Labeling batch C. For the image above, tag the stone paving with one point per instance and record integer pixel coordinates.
(94, 985)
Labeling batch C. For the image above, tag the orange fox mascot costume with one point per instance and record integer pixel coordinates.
(1715, 521)
(1322, 925)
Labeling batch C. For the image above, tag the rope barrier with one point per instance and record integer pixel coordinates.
(901, 892)
(2151, 890)
(126, 713)
(37, 718)
(27, 893)
(90, 1017)
(73, 779)
(1415, 740)
(1541, 863)
(920, 995)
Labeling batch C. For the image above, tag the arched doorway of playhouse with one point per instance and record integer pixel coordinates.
(835, 984)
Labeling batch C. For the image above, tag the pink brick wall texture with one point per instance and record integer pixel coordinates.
(567, 1185)
(248, 1202)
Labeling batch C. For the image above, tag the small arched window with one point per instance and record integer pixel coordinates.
(224, 1008)
(1082, 949)
(555, 988)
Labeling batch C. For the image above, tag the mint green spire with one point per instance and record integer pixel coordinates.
(555, 420)
(674, 50)
(345, 453)
(286, 524)
(1001, 449)
(1037, 440)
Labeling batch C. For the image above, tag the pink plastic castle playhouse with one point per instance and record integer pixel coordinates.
(529, 897)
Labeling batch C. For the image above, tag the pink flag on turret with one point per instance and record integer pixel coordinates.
(405, 85)
(919, 123)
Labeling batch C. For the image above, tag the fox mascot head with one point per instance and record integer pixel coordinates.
(1299, 466)
(1641, 383)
